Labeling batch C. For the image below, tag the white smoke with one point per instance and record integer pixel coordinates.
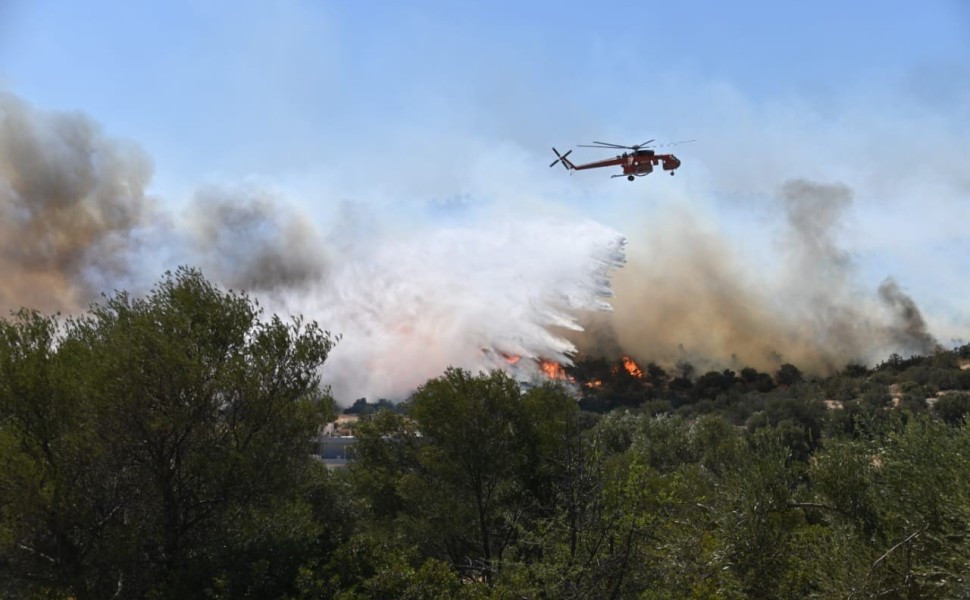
(407, 301)
(423, 293)
(409, 305)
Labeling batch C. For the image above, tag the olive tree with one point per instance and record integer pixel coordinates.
(475, 461)
(158, 445)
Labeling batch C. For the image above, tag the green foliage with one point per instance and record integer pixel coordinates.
(855, 370)
(154, 444)
(923, 552)
(788, 374)
(754, 380)
(799, 423)
(160, 447)
(845, 477)
(362, 407)
(953, 407)
(712, 383)
(369, 565)
(473, 459)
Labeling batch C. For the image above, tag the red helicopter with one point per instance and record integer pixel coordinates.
(637, 163)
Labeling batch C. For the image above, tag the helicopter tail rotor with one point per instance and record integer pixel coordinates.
(561, 158)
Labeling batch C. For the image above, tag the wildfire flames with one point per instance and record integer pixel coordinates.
(557, 372)
(99, 229)
(625, 364)
(548, 368)
(631, 367)
(552, 370)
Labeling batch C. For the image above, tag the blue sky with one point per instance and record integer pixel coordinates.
(420, 102)
(247, 87)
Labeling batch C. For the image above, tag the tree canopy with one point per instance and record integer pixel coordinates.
(154, 445)
(162, 447)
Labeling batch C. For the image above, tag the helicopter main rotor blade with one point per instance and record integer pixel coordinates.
(674, 143)
(610, 145)
(642, 145)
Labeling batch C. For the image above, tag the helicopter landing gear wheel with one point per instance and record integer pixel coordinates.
(630, 178)
(671, 173)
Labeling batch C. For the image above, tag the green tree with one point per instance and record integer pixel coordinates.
(757, 381)
(712, 383)
(896, 508)
(799, 421)
(923, 550)
(159, 445)
(953, 407)
(788, 374)
(472, 425)
(756, 526)
(462, 472)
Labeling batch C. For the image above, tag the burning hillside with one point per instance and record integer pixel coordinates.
(410, 306)
(410, 300)
(686, 295)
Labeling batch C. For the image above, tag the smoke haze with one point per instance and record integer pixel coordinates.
(246, 239)
(71, 202)
(76, 221)
(686, 296)
(408, 300)
(410, 305)
(908, 329)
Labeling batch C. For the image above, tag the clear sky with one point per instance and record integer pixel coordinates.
(426, 101)
(243, 87)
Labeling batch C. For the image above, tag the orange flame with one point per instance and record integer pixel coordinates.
(594, 384)
(552, 370)
(631, 367)
(512, 358)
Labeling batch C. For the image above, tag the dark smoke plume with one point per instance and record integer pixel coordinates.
(71, 202)
(246, 240)
(813, 212)
(75, 220)
(686, 296)
(821, 298)
(909, 330)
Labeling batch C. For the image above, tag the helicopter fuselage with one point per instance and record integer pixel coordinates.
(636, 163)
(641, 162)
